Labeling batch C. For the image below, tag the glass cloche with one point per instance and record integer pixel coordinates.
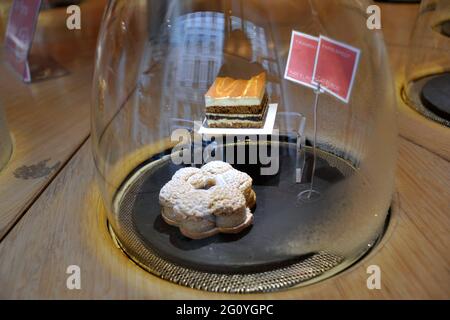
(427, 75)
(179, 84)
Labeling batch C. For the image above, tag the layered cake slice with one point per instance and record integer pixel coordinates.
(237, 103)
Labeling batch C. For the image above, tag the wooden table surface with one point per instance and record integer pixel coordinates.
(49, 120)
(55, 220)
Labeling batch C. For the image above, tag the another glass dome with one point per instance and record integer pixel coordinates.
(156, 60)
(427, 77)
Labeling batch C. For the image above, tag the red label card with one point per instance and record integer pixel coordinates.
(335, 67)
(301, 59)
(19, 34)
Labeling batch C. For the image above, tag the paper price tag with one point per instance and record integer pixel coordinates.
(335, 67)
(301, 59)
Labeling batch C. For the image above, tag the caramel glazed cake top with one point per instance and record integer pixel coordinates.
(228, 95)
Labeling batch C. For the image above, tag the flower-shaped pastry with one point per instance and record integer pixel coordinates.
(207, 201)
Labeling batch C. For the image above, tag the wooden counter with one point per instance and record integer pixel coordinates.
(49, 120)
(58, 220)
(67, 225)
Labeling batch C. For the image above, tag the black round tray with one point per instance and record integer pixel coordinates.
(445, 27)
(292, 242)
(270, 243)
(435, 95)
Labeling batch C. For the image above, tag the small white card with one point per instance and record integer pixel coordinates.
(302, 59)
(332, 63)
(266, 130)
(335, 67)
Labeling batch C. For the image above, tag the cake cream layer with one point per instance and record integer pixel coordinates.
(237, 120)
(238, 116)
(235, 124)
(229, 92)
(239, 109)
(235, 117)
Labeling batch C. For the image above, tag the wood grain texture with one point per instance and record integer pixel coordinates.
(67, 225)
(48, 120)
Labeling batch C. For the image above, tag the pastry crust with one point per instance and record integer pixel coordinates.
(185, 173)
(202, 180)
(216, 167)
(233, 230)
(203, 202)
(169, 195)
